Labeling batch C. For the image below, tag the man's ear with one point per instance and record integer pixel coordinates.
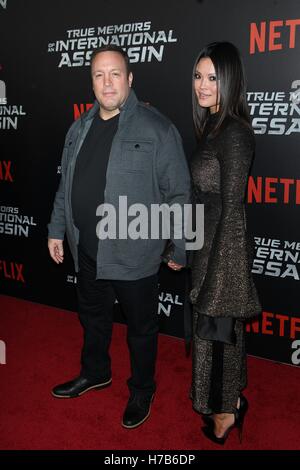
(130, 79)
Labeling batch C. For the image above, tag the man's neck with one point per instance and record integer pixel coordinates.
(105, 115)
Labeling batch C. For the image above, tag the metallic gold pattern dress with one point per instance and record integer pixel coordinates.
(222, 284)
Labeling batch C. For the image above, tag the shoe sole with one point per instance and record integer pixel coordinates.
(140, 422)
(93, 387)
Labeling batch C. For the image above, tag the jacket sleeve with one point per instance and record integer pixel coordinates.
(57, 225)
(228, 288)
(174, 183)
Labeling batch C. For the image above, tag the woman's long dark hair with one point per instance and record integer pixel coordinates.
(231, 86)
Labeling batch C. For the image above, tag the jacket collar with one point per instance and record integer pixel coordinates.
(125, 109)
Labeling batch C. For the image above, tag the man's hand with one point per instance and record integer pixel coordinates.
(56, 250)
(175, 266)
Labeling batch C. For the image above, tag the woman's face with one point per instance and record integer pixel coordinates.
(205, 85)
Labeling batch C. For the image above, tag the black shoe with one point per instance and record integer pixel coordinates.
(137, 410)
(77, 387)
(239, 416)
(208, 419)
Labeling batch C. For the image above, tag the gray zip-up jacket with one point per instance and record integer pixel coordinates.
(147, 164)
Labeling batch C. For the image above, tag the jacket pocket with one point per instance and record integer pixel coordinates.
(137, 155)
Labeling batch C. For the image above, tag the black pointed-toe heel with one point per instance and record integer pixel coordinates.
(208, 419)
(239, 416)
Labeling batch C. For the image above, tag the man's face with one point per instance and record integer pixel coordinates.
(111, 84)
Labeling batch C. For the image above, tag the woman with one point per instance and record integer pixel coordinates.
(223, 294)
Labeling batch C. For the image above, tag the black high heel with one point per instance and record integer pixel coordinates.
(239, 416)
(208, 419)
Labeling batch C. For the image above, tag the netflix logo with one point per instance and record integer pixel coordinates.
(270, 36)
(11, 270)
(279, 325)
(271, 190)
(275, 324)
(79, 109)
(5, 171)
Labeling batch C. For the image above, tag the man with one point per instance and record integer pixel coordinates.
(120, 147)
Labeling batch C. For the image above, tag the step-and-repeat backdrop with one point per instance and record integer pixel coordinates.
(45, 84)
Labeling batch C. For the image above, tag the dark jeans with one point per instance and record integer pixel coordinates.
(139, 302)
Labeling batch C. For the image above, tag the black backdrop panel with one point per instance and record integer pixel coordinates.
(45, 83)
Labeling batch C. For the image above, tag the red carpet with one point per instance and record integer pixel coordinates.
(43, 348)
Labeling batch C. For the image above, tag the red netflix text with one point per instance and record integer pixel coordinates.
(79, 109)
(5, 171)
(274, 35)
(12, 270)
(275, 324)
(271, 190)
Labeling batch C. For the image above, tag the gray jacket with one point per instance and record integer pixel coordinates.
(147, 164)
